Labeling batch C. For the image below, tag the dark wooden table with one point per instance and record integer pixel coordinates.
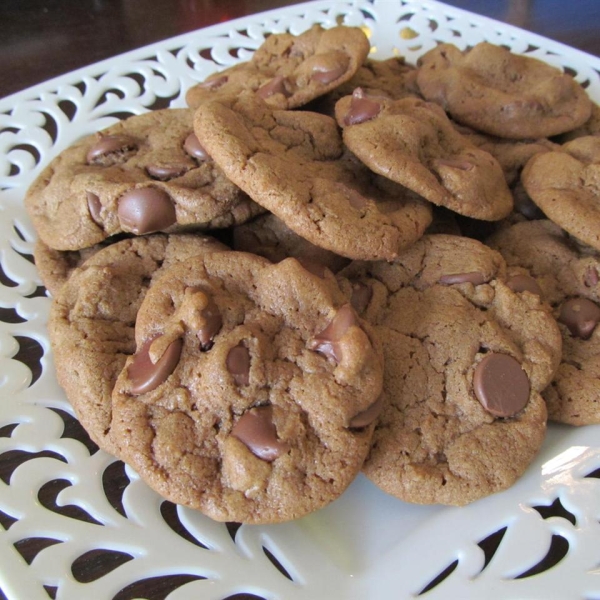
(40, 39)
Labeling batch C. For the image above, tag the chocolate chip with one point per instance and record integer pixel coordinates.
(473, 277)
(328, 341)
(164, 173)
(146, 375)
(194, 148)
(325, 76)
(355, 198)
(214, 82)
(312, 266)
(361, 296)
(581, 316)
(238, 364)
(590, 279)
(110, 144)
(501, 385)
(145, 210)
(362, 108)
(277, 85)
(524, 283)
(94, 207)
(256, 430)
(461, 165)
(357, 201)
(366, 417)
(212, 324)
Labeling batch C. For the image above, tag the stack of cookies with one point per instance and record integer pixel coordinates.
(330, 264)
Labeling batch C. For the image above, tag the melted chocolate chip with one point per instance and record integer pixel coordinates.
(524, 283)
(461, 165)
(473, 277)
(312, 266)
(590, 278)
(110, 144)
(146, 375)
(194, 148)
(238, 364)
(94, 207)
(357, 201)
(212, 324)
(145, 210)
(256, 430)
(581, 316)
(501, 385)
(361, 296)
(366, 417)
(328, 341)
(166, 172)
(277, 85)
(362, 108)
(327, 76)
(214, 82)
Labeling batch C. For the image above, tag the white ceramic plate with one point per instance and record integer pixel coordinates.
(538, 540)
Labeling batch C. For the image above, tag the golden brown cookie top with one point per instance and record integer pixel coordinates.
(270, 237)
(145, 174)
(565, 184)
(93, 314)
(289, 70)
(392, 78)
(413, 143)
(465, 360)
(294, 164)
(253, 390)
(495, 91)
(567, 274)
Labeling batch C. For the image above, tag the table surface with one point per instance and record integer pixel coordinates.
(40, 39)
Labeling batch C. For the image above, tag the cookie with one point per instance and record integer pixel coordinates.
(55, 266)
(512, 155)
(504, 94)
(253, 390)
(413, 143)
(465, 360)
(590, 127)
(567, 275)
(391, 78)
(288, 71)
(565, 185)
(92, 319)
(268, 236)
(145, 174)
(293, 164)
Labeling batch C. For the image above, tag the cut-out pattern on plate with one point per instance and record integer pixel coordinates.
(63, 502)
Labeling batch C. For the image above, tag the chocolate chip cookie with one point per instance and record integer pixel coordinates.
(567, 275)
(289, 70)
(413, 143)
(55, 266)
(253, 390)
(268, 236)
(512, 155)
(495, 91)
(293, 163)
(565, 184)
(93, 315)
(391, 78)
(145, 174)
(465, 360)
